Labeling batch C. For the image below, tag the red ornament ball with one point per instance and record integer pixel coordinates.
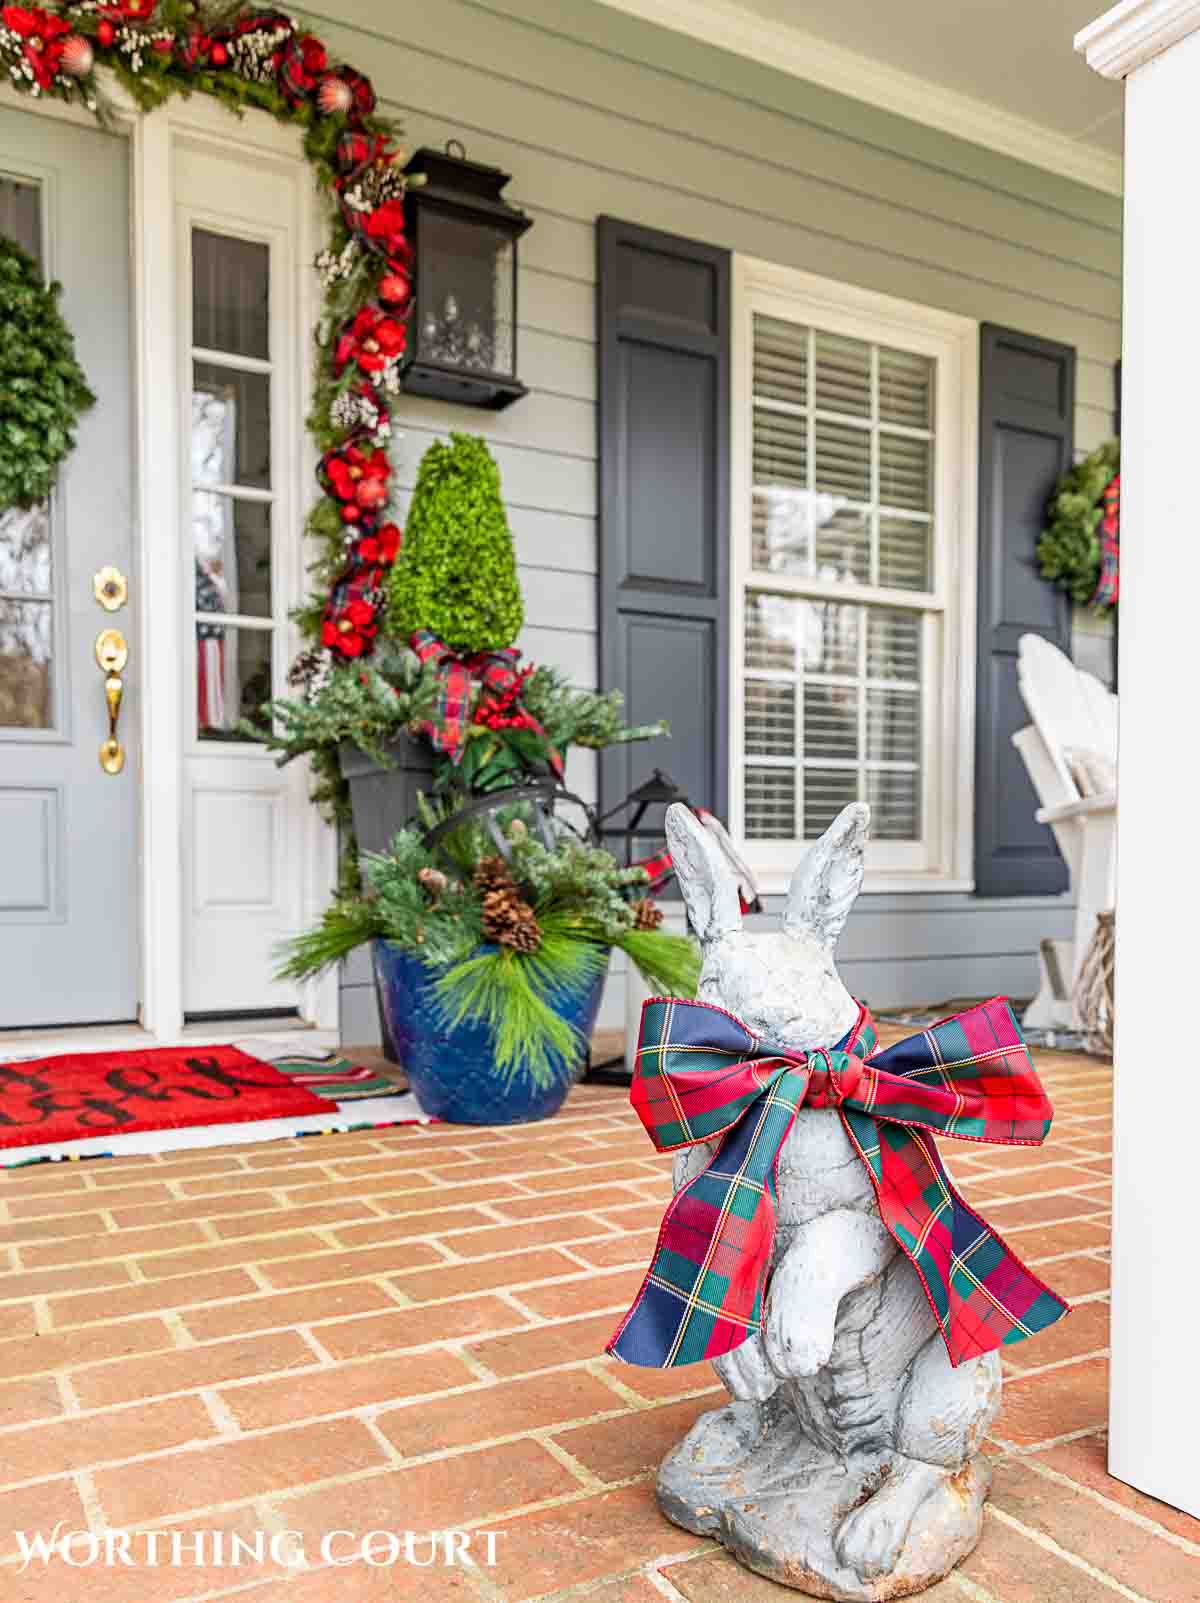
(105, 32)
(350, 513)
(394, 288)
(77, 58)
(334, 96)
(219, 56)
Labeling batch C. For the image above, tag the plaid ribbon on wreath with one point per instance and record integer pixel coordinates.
(496, 671)
(702, 1074)
(1108, 587)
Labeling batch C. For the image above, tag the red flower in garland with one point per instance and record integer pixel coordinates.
(43, 38)
(359, 476)
(372, 340)
(301, 63)
(350, 630)
(385, 226)
(382, 546)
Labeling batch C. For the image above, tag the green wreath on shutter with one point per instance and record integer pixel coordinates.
(1069, 549)
(42, 386)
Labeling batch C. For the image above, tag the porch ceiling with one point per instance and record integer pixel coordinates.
(1001, 74)
(1017, 57)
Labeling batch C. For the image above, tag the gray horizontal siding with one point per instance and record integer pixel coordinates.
(595, 112)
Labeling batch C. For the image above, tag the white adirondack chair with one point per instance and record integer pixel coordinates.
(1070, 750)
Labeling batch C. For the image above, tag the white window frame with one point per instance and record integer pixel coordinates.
(942, 859)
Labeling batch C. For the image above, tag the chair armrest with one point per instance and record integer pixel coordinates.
(1089, 807)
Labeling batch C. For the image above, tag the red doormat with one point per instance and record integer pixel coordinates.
(75, 1096)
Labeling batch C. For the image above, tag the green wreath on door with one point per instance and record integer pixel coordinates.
(43, 389)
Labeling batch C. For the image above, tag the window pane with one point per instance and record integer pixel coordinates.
(826, 792)
(893, 725)
(843, 375)
(21, 215)
(770, 632)
(831, 722)
(232, 549)
(905, 470)
(231, 427)
(831, 634)
(770, 719)
(905, 389)
(770, 803)
(843, 543)
(466, 293)
(894, 645)
(230, 294)
(904, 551)
(25, 550)
(233, 677)
(895, 799)
(843, 460)
(26, 665)
(780, 361)
(780, 449)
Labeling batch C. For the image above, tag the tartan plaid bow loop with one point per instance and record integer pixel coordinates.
(702, 1075)
(496, 671)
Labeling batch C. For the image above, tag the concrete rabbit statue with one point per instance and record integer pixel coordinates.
(847, 1462)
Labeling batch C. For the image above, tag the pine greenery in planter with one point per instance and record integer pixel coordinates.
(505, 938)
(457, 573)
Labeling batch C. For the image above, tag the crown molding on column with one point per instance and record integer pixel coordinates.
(730, 26)
(1135, 31)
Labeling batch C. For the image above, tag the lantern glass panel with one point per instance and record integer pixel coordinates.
(467, 291)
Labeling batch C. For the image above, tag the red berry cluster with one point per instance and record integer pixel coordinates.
(503, 710)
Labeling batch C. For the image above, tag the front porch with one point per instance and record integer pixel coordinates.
(403, 1331)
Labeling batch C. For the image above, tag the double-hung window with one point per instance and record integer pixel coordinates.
(853, 526)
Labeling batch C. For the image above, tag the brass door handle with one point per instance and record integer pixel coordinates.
(112, 654)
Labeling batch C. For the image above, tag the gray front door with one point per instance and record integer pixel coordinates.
(68, 828)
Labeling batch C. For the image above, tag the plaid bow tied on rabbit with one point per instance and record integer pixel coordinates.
(702, 1074)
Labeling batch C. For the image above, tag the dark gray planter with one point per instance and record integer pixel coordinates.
(383, 800)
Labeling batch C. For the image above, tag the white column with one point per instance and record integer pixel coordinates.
(1154, 1407)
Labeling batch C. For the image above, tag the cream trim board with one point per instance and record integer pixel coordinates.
(944, 857)
(789, 49)
(1134, 32)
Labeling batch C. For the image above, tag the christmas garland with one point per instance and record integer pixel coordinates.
(1078, 549)
(42, 387)
(246, 57)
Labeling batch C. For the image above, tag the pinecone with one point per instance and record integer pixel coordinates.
(508, 920)
(647, 914)
(491, 874)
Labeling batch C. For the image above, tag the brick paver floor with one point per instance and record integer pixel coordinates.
(402, 1331)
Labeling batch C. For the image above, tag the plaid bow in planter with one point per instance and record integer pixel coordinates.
(496, 671)
(701, 1074)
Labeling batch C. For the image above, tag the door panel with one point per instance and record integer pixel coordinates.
(68, 829)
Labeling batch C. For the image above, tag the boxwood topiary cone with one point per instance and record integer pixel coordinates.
(457, 572)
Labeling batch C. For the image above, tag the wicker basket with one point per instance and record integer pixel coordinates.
(1094, 988)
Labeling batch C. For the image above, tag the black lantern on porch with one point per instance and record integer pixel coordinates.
(462, 343)
(652, 797)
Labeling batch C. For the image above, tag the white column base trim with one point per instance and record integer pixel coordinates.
(1135, 31)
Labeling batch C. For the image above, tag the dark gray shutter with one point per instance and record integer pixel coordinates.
(1026, 436)
(663, 333)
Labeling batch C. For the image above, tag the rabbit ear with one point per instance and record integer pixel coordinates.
(828, 878)
(709, 888)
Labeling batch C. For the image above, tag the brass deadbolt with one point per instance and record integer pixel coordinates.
(111, 588)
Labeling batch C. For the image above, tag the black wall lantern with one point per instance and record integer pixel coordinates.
(462, 338)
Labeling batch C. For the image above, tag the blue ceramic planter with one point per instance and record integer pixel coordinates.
(452, 1071)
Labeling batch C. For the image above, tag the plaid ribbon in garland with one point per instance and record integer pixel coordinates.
(702, 1074)
(496, 671)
